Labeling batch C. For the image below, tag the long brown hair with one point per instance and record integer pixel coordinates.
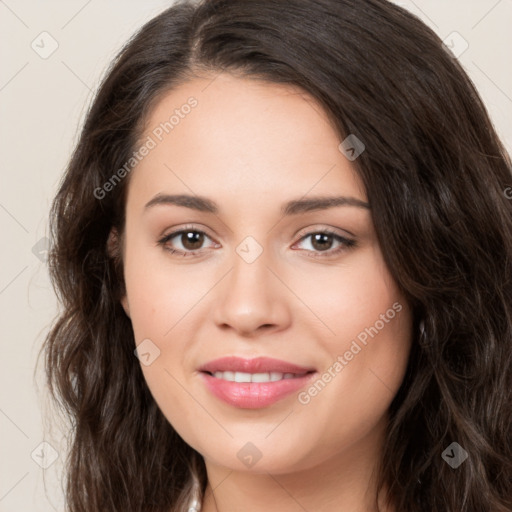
(436, 176)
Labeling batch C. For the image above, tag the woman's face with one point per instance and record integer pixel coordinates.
(255, 275)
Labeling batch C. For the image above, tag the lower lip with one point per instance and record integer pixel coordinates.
(254, 395)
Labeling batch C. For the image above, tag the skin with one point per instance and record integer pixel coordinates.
(251, 146)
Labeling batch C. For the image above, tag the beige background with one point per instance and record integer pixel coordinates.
(42, 103)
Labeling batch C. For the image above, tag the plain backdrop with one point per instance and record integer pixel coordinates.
(53, 55)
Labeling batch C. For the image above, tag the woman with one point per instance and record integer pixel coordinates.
(284, 250)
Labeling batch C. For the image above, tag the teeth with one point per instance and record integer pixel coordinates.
(254, 377)
(242, 377)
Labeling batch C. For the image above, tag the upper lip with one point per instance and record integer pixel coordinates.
(255, 365)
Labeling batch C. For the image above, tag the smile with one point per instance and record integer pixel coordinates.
(254, 390)
(255, 377)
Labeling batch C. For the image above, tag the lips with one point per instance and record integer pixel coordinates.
(255, 365)
(254, 383)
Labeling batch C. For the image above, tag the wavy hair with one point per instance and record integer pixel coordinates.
(436, 175)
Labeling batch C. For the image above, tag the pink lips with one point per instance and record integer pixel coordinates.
(256, 365)
(254, 395)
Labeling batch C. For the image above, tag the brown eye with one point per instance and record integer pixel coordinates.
(186, 242)
(191, 240)
(322, 243)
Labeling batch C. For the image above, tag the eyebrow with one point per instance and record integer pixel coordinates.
(294, 207)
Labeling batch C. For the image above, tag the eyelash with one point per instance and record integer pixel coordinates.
(346, 243)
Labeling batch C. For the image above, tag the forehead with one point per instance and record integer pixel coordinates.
(243, 136)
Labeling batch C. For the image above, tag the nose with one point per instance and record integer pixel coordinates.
(252, 298)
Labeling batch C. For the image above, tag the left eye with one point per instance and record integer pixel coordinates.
(191, 241)
(322, 241)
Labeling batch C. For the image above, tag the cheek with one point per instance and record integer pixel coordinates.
(351, 296)
(164, 301)
(366, 356)
(367, 326)
(160, 297)
(159, 294)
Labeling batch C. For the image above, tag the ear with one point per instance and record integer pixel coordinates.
(114, 251)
